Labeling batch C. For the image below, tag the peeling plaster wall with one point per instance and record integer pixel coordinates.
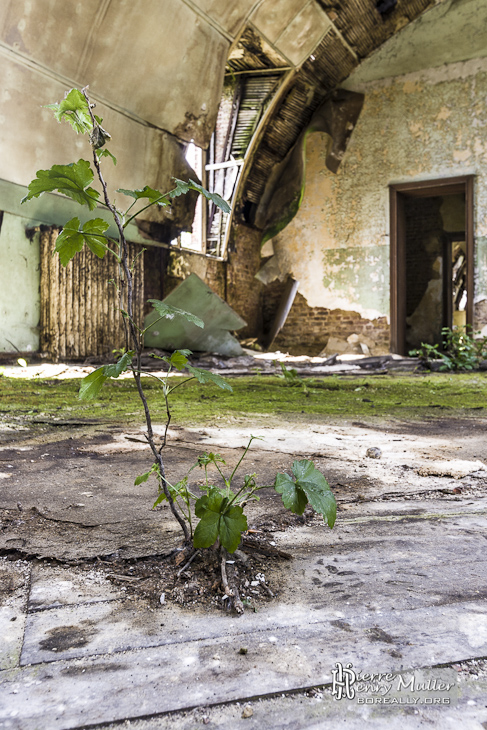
(19, 291)
(429, 124)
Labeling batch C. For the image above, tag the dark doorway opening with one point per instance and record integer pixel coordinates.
(431, 260)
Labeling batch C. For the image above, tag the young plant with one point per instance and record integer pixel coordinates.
(75, 181)
(462, 350)
(220, 509)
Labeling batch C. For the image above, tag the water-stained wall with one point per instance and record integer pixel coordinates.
(425, 125)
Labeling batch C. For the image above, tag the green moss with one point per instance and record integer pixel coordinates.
(407, 397)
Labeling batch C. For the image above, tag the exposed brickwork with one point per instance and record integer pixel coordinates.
(307, 329)
(244, 291)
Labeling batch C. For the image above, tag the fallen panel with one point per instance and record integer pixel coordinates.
(194, 296)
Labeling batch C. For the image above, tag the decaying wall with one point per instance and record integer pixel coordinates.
(19, 290)
(428, 124)
(233, 280)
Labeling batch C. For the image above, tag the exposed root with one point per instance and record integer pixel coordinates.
(232, 592)
(186, 565)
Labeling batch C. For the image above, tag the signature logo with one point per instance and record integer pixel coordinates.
(343, 678)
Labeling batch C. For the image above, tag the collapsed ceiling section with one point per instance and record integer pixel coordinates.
(357, 27)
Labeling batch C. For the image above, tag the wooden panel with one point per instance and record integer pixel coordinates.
(79, 306)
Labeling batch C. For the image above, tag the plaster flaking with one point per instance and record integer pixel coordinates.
(426, 125)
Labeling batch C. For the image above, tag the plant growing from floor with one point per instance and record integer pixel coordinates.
(219, 509)
(75, 181)
(462, 350)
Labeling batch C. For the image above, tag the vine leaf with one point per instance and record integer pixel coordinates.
(204, 376)
(218, 520)
(69, 242)
(106, 153)
(168, 312)
(93, 383)
(310, 486)
(71, 239)
(178, 359)
(184, 187)
(154, 196)
(116, 369)
(71, 180)
(293, 497)
(92, 231)
(74, 109)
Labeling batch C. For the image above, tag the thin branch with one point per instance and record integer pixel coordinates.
(131, 330)
(149, 205)
(196, 552)
(241, 459)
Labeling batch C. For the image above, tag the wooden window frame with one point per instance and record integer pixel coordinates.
(423, 189)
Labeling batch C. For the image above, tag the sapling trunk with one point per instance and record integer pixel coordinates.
(133, 336)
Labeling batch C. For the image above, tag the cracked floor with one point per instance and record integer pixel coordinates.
(399, 584)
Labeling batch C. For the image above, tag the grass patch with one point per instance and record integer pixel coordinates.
(400, 396)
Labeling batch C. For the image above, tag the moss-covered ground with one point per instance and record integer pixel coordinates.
(399, 396)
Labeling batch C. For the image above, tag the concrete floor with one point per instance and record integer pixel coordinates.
(398, 585)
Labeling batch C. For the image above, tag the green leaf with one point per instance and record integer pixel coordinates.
(293, 497)
(93, 231)
(184, 187)
(316, 488)
(154, 196)
(116, 369)
(322, 500)
(92, 384)
(232, 524)
(218, 520)
(105, 153)
(303, 469)
(69, 242)
(210, 458)
(178, 359)
(73, 109)
(206, 531)
(165, 310)
(204, 376)
(142, 478)
(70, 180)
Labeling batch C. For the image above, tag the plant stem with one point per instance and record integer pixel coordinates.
(241, 459)
(131, 332)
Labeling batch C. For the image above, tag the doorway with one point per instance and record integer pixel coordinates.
(431, 260)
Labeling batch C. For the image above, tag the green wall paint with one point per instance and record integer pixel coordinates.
(358, 275)
(19, 286)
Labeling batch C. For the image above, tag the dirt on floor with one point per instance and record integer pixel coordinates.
(68, 495)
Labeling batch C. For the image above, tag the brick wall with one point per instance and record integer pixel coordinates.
(244, 291)
(307, 329)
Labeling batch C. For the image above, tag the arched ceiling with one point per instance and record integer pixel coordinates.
(162, 63)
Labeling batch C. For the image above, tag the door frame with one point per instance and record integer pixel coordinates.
(423, 189)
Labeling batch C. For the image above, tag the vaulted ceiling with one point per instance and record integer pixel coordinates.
(163, 63)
